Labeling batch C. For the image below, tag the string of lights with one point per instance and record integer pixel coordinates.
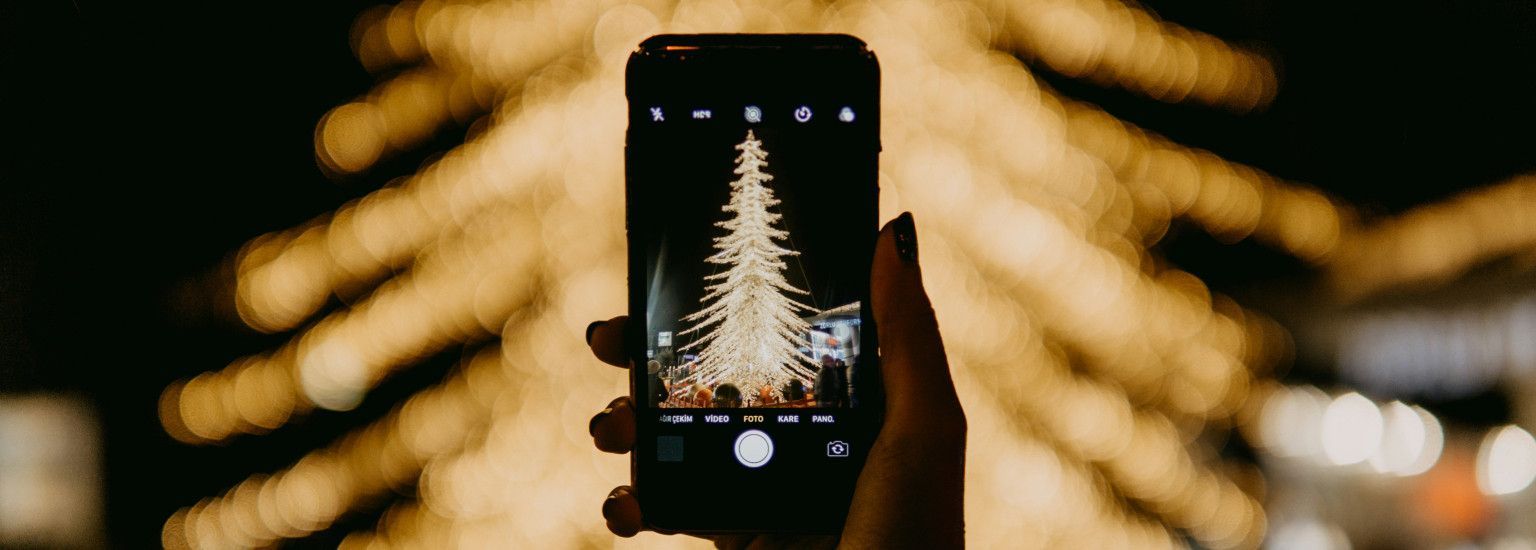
(397, 115)
(1437, 242)
(366, 464)
(931, 161)
(283, 278)
(1139, 450)
(1114, 43)
(457, 291)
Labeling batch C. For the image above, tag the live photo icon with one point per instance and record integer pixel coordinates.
(837, 449)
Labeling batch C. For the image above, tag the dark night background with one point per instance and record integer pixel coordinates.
(146, 142)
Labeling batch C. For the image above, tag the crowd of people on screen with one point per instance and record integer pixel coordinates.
(677, 387)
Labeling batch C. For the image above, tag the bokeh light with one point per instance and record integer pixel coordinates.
(1507, 462)
(1351, 429)
(1411, 440)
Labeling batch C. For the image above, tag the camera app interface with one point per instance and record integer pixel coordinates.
(758, 222)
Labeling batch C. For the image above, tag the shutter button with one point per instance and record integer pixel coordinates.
(753, 448)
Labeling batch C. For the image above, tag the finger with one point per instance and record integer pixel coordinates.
(622, 512)
(607, 340)
(916, 372)
(613, 429)
(911, 492)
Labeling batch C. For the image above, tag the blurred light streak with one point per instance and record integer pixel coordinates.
(536, 440)
(969, 197)
(1099, 305)
(365, 464)
(385, 36)
(1022, 493)
(578, 277)
(501, 42)
(456, 290)
(1302, 423)
(1230, 201)
(973, 194)
(1110, 42)
(1435, 243)
(283, 278)
(397, 115)
(1140, 452)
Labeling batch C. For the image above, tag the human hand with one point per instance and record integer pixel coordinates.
(910, 493)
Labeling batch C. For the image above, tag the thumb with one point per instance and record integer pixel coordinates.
(919, 392)
(911, 493)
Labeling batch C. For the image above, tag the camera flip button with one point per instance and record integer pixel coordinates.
(753, 448)
(837, 449)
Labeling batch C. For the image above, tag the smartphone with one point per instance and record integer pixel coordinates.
(752, 211)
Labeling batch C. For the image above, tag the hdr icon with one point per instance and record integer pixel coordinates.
(837, 449)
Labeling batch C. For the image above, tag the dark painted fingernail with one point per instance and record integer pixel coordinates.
(591, 328)
(906, 237)
(592, 424)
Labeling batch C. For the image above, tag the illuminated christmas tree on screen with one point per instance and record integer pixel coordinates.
(752, 328)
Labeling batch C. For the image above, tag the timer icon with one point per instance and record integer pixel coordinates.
(803, 114)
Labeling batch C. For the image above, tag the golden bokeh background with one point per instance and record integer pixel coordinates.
(1092, 372)
(1106, 387)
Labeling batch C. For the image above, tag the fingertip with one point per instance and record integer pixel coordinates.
(598, 418)
(622, 512)
(613, 429)
(591, 327)
(896, 280)
(606, 338)
(904, 231)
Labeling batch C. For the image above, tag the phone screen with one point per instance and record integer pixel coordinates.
(752, 217)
